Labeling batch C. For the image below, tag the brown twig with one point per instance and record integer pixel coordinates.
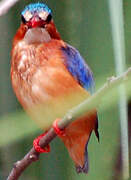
(5, 5)
(30, 157)
(87, 105)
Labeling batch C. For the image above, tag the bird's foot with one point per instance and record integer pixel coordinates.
(37, 147)
(58, 131)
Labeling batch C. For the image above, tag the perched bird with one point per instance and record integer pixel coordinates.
(49, 77)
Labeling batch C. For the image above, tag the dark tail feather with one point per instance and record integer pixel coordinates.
(85, 167)
(96, 130)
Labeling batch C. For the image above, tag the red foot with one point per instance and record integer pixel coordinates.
(37, 146)
(57, 130)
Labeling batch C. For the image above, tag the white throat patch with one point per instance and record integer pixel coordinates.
(36, 35)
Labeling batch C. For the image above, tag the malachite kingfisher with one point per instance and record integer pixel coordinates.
(49, 77)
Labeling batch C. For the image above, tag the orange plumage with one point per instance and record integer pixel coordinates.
(46, 88)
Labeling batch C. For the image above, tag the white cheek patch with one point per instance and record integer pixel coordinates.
(36, 35)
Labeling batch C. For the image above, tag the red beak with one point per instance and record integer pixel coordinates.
(35, 22)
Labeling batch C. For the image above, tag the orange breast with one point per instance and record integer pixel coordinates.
(42, 83)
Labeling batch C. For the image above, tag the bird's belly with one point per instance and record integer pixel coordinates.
(44, 86)
(48, 95)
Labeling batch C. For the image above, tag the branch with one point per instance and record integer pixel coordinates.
(5, 5)
(87, 105)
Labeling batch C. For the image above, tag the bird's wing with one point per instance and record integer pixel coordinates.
(78, 68)
(80, 71)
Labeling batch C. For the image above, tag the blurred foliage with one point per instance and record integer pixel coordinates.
(84, 24)
(15, 123)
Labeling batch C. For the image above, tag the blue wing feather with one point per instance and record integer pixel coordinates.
(78, 68)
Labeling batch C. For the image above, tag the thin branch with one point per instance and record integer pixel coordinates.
(5, 5)
(87, 105)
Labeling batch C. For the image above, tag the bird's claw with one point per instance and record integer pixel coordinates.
(57, 130)
(37, 147)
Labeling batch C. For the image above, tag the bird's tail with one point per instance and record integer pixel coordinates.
(76, 139)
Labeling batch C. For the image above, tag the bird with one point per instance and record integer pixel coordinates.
(49, 77)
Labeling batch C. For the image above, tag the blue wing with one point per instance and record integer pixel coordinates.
(78, 68)
(80, 71)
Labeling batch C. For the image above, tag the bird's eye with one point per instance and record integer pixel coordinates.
(23, 19)
(49, 17)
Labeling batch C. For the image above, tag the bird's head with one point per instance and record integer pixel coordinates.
(37, 24)
(36, 15)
